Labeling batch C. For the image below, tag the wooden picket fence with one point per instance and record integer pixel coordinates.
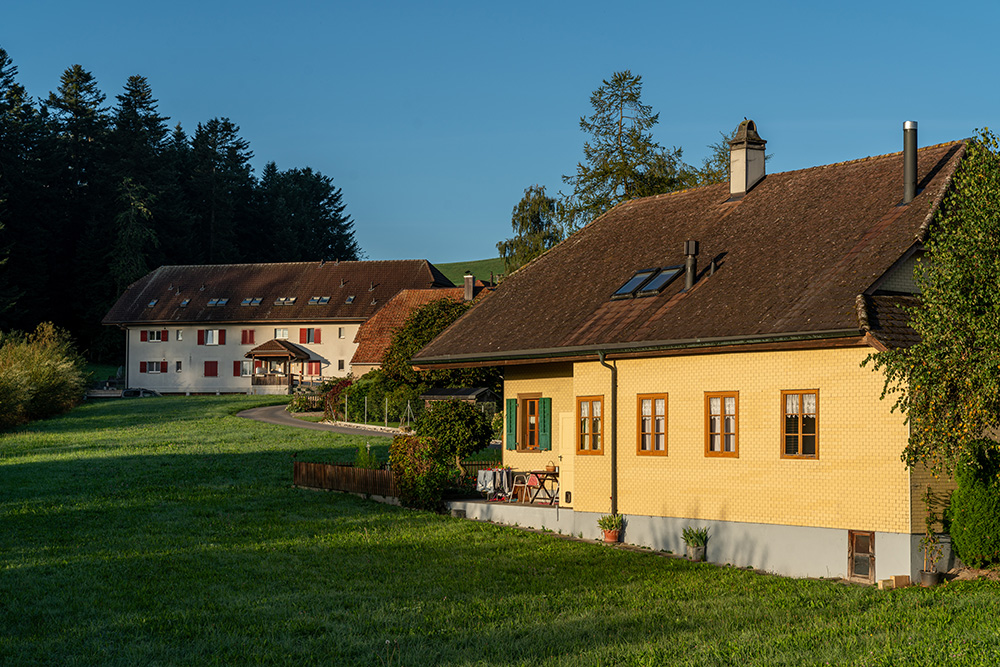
(347, 478)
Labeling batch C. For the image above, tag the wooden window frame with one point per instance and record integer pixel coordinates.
(638, 424)
(522, 426)
(722, 395)
(592, 451)
(800, 434)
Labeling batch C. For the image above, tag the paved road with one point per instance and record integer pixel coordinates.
(276, 414)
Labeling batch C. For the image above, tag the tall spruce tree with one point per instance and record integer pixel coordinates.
(621, 159)
(222, 189)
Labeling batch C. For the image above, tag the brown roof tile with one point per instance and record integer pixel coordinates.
(375, 335)
(792, 255)
(371, 284)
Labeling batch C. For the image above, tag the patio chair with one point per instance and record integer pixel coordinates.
(519, 489)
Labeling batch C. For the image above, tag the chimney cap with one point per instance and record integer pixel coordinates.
(910, 125)
(746, 134)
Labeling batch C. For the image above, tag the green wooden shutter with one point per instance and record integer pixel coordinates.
(511, 423)
(545, 424)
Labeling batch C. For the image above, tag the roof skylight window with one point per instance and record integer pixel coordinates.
(627, 290)
(350, 299)
(658, 282)
(251, 301)
(151, 303)
(319, 300)
(217, 302)
(185, 302)
(284, 300)
(648, 282)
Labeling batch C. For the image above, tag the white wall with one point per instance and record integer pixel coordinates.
(336, 345)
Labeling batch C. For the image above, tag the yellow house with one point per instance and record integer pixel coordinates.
(694, 359)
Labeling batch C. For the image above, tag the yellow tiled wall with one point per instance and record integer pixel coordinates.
(857, 482)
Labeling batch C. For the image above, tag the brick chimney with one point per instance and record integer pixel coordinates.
(470, 286)
(746, 159)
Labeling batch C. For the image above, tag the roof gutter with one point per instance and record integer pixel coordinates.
(651, 346)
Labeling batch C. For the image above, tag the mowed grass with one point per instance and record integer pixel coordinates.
(166, 531)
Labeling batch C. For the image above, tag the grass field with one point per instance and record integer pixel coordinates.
(165, 531)
(481, 268)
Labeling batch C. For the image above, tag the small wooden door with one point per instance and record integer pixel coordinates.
(861, 555)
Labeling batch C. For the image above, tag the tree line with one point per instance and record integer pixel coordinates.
(621, 161)
(94, 195)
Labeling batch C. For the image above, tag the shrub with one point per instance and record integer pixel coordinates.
(333, 397)
(975, 508)
(418, 467)
(365, 459)
(41, 375)
(460, 428)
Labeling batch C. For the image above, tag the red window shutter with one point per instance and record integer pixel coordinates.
(211, 369)
(165, 335)
(237, 367)
(303, 335)
(258, 364)
(244, 336)
(316, 336)
(250, 337)
(142, 364)
(201, 336)
(143, 336)
(222, 336)
(163, 366)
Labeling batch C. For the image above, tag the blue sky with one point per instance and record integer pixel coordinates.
(433, 117)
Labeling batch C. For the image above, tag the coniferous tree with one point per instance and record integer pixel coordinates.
(621, 159)
(221, 188)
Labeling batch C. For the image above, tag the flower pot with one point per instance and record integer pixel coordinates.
(695, 553)
(929, 579)
(611, 536)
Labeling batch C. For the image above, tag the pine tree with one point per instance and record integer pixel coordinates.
(221, 188)
(621, 159)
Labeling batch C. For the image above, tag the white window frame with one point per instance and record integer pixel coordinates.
(281, 333)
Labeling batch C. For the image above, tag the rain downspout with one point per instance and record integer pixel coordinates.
(614, 432)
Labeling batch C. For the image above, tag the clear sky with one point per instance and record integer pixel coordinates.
(433, 117)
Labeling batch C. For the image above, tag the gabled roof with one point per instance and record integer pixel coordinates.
(277, 348)
(792, 256)
(375, 335)
(184, 293)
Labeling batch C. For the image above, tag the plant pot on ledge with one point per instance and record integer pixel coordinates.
(929, 579)
(611, 536)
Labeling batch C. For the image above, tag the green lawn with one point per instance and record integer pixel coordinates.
(165, 531)
(481, 269)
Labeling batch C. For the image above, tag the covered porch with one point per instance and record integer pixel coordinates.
(272, 366)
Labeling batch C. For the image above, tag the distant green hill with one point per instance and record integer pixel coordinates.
(481, 269)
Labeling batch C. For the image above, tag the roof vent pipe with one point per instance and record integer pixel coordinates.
(909, 161)
(691, 264)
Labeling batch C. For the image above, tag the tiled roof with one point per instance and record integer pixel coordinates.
(888, 319)
(792, 256)
(375, 334)
(183, 293)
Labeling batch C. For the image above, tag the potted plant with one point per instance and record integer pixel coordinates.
(612, 525)
(929, 544)
(695, 539)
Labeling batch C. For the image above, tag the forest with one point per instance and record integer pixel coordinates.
(94, 194)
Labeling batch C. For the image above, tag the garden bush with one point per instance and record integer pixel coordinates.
(975, 508)
(333, 397)
(461, 428)
(419, 469)
(41, 375)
